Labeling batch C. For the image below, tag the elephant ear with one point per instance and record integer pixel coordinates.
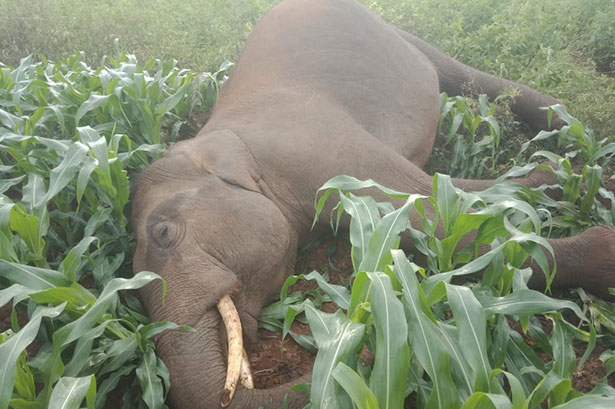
(223, 154)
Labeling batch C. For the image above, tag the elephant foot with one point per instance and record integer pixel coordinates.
(586, 260)
(238, 364)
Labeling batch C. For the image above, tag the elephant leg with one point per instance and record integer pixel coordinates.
(454, 76)
(586, 260)
(534, 179)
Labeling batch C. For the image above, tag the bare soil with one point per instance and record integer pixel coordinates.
(273, 365)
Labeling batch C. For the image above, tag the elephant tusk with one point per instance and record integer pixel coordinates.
(235, 348)
(246, 372)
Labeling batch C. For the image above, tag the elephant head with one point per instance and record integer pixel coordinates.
(204, 226)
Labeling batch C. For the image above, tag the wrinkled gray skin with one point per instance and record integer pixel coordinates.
(323, 88)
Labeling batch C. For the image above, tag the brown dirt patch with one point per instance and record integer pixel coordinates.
(274, 363)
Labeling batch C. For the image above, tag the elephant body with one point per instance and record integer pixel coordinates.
(322, 88)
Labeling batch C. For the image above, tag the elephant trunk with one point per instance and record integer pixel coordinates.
(197, 362)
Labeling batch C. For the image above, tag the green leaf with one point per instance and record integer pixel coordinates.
(33, 278)
(589, 401)
(337, 338)
(28, 226)
(474, 266)
(63, 174)
(119, 354)
(592, 176)
(24, 381)
(344, 182)
(516, 389)
(11, 349)
(386, 236)
(72, 331)
(462, 372)
(448, 201)
(83, 349)
(10, 121)
(84, 176)
(33, 192)
(339, 294)
(564, 358)
(151, 385)
(150, 330)
(481, 400)
(77, 297)
(70, 392)
(93, 102)
(355, 387)
(392, 357)
(15, 292)
(170, 103)
(526, 302)
(72, 261)
(464, 224)
(553, 385)
(98, 147)
(364, 216)
(471, 322)
(6, 184)
(110, 383)
(424, 338)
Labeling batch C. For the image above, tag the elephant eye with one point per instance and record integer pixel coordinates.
(167, 234)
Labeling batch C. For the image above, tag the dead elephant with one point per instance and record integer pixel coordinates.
(323, 88)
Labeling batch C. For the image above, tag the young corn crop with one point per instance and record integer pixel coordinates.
(71, 138)
(449, 345)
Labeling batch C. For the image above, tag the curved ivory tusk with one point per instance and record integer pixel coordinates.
(246, 372)
(235, 348)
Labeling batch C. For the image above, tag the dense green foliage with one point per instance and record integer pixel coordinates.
(553, 46)
(70, 138)
(565, 48)
(200, 34)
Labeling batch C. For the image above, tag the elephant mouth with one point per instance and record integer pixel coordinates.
(238, 368)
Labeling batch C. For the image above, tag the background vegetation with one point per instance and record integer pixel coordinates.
(73, 133)
(565, 47)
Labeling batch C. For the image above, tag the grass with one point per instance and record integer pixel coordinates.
(565, 48)
(199, 34)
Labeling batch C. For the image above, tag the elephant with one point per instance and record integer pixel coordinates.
(322, 88)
